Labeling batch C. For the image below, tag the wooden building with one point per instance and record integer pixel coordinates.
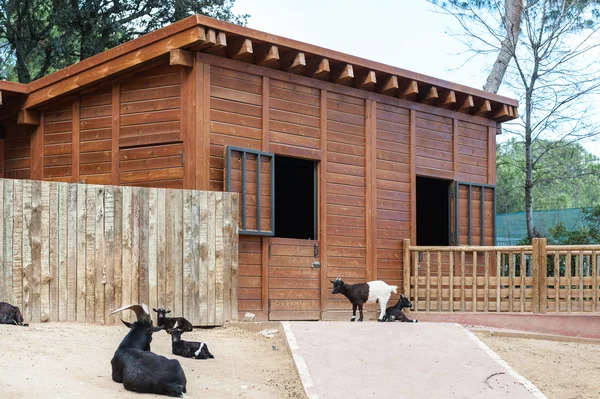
(338, 158)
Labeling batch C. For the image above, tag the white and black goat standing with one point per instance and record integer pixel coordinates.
(395, 312)
(359, 294)
(195, 350)
(141, 370)
(10, 314)
(168, 323)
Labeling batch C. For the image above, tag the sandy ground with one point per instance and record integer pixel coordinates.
(561, 370)
(70, 360)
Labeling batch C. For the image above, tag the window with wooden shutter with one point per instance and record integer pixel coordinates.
(252, 174)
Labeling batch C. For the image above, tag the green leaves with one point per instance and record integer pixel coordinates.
(43, 36)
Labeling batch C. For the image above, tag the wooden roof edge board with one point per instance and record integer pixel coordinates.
(14, 87)
(113, 66)
(349, 59)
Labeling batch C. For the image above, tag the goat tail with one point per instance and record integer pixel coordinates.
(394, 288)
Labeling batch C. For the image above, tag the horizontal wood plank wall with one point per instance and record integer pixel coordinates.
(236, 120)
(58, 128)
(76, 252)
(95, 137)
(473, 152)
(346, 193)
(433, 146)
(235, 117)
(393, 190)
(17, 151)
(294, 124)
(149, 122)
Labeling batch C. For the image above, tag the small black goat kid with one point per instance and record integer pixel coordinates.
(10, 314)
(359, 294)
(141, 370)
(195, 350)
(395, 312)
(168, 323)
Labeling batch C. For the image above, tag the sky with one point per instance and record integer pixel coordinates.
(408, 34)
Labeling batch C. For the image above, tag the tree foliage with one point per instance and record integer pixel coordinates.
(550, 58)
(568, 177)
(588, 234)
(38, 37)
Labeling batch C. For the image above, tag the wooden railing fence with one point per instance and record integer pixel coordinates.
(75, 252)
(535, 278)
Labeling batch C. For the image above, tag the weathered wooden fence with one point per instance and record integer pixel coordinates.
(75, 252)
(536, 278)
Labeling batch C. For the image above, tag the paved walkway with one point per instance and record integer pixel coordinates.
(400, 360)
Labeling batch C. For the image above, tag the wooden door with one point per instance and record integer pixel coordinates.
(294, 279)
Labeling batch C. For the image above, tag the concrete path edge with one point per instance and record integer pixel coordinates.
(522, 380)
(307, 382)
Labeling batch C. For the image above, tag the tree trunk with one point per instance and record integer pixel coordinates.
(528, 166)
(513, 10)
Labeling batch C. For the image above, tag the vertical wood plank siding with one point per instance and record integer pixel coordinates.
(63, 260)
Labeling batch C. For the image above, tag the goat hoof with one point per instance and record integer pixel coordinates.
(380, 320)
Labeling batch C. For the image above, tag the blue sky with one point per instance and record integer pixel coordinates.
(403, 33)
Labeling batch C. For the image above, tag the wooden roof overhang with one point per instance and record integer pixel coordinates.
(12, 96)
(200, 33)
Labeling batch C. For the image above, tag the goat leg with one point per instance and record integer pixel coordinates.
(360, 307)
(353, 312)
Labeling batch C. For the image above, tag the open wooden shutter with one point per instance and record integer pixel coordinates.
(472, 210)
(252, 174)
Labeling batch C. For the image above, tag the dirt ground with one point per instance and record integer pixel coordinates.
(561, 370)
(67, 360)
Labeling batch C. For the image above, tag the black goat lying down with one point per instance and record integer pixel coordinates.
(168, 323)
(196, 350)
(395, 312)
(10, 314)
(141, 370)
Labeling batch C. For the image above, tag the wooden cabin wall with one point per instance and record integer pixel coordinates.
(17, 151)
(128, 132)
(169, 126)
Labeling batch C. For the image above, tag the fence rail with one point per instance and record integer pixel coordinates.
(75, 252)
(535, 278)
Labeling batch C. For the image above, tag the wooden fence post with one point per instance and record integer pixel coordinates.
(543, 276)
(406, 266)
(535, 270)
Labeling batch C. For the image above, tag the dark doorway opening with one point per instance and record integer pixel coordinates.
(295, 198)
(432, 211)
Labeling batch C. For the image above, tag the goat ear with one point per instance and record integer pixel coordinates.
(168, 311)
(157, 329)
(332, 282)
(126, 323)
(155, 310)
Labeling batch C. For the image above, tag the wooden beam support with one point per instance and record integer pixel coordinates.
(219, 46)
(366, 81)
(409, 91)
(267, 55)
(448, 100)
(466, 104)
(502, 114)
(210, 40)
(430, 96)
(343, 74)
(0, 97)
(294, 62)
(319, 68)
(179, 57)
(241, 50)
(515, 112)
(389, 86)
(484, 108)
(28, 117)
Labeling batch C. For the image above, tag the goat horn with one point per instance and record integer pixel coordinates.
(141, 311)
